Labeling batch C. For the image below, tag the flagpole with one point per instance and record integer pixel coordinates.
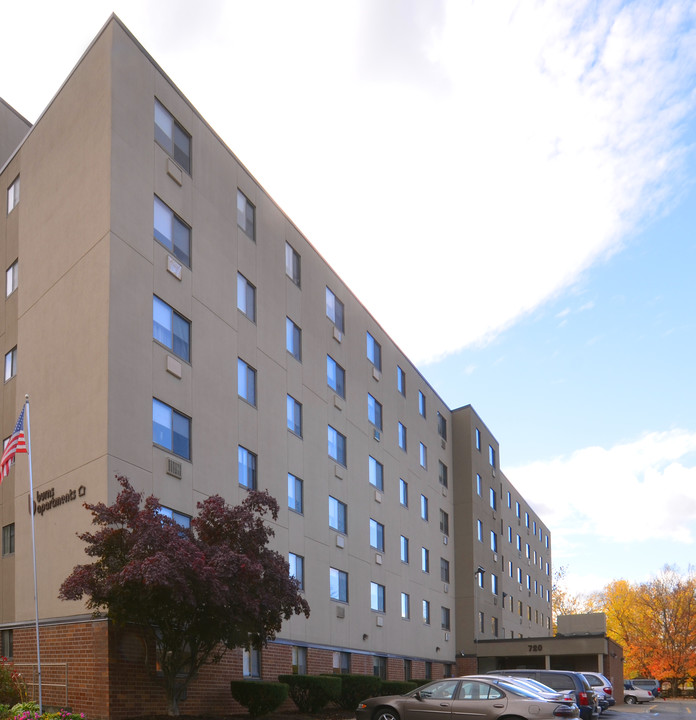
(33, 545)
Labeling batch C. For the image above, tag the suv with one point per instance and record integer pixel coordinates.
(563, 681)
(647, 684)
(603, 688)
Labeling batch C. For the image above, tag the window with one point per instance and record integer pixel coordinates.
(494, 584)
(379, 667)
(509, 499)
(246, 297)
(492, 498)
(334, 310)
(425, 560)
(7, 644)
(424, 507)
(11, 277)
(170, 429)
(423, 456)
(11, 364)
(377, 597)
(13, 195)
(251, 662)
(246, 468)
(402, 436)
(335, 377)
(519, 575)
(482, 622)
(517, 509)
(494, 541)
(528, 551)
(376, 473)
(491, 455)
(337, 445)
(494, 626)
(292, 264)
(172, 232)
(441, 426)
(442, 473)
(8, 539)
(293, 339)
(444, 570)
(426, 612)
(509, 534)
(299, 660)
(376, 535)
(246, 382)
(526, 519)
(170, 328)
(400, 380)
(479, 530)
(519, 543)
(246, 215)
(428, 670)
(172, 137)
(478, 439)
(177, 517)
(421, 403)
(479, 575)
(478, 484)
(338, 512)
(341, 663)
(294, 415)
(403, 492)
(445, 618)
(296, 563)
(374, 411)
(444, 522)
(295, 493)
(374, 352)
(338, 585)
(404, 549)
(405, 606)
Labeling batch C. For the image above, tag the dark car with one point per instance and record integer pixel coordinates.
(470, 697)
(564, 681)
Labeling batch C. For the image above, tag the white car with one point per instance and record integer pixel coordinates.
(633, 694)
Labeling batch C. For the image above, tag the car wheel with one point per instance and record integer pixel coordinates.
(385, 714)
(629, 700)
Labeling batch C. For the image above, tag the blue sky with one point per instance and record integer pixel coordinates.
(508, 187)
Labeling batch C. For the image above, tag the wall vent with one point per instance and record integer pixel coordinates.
(340, 541)
(378, 558)
(337, 334)
(376, 374)
(445, 539)
(447, 637)
(444, 444)
(376, 435)
(174, 267)
(174, 468)
(446, 588)
(340, 611)
(380, 621)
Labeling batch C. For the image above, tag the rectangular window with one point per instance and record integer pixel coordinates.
(171, 329)
(374, 352)
(251, 662)
(295, 494)
(334, 310)
(517, 509)
(337, 446)
(479, 575)
(335, 377)
(246, 215)
(424, 507)
(299, 660)
(172, 137)
(376, 535)
(519, 575)
(403, 492)
(494, 626)
(444, 570)
(11, 278)
(338, 513)
(442, 473)
(492, 498)
(341, 663)
(13, 195)
(8, 539)
(246, 382)
(293, 339)
(246, 468)
(374, 411)
(294, 416)
(441, 426)
(479, 530)
(292, 264)
(379, 667)
(246, 297)
(7, 644)
(402, 436)
(444, 522)
(172, 232)
(494, 541)
(377, 592)
(478, 484)
(426, 612)
(478, 439)
(404, 549)
(425, 560)
(491, 455)
(509, 499)
(338, 585)
(482, 622)
(171, 430)
(445, 618)
(296, 563)
(177, 517)
(400, 380)
(405, 606)
(11, 364)
(519, 543)
(421, 403)
(376, 473)
(423, 456)
(509, 534)
(526, 519)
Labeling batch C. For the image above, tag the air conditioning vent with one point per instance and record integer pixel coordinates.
(376, 435)
(340, 611)
(340, 541)
(444, 444)
(378, 558)
(174, 468)
(380, 621)
(376, 374)
(447, 637)
(378, 496)
(445, 539)
(173, 267)
(337, 334)
(445, 588)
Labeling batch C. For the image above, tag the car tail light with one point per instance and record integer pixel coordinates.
(583, 699)
(565, 711)
(607, 690)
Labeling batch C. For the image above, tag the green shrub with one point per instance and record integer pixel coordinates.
(397, 687)
(259, 697)
(4, 710)
(12, 686)
(355, 688)
(311, 693)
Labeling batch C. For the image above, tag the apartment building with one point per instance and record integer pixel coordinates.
(171, 324)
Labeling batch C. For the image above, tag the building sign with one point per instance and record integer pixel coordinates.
(48, 500)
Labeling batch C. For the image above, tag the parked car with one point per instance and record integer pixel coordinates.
(648, 684)
(564, 681)
(465, 697)
(604, 689)
(534, 686)
(634, 694)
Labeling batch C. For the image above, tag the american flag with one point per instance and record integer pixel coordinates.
(16, 444)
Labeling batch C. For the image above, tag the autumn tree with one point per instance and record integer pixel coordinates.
(564, 601)
(200, 590)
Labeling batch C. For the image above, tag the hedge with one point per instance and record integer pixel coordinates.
(258, 697)
(397, 687)
(311, 693)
